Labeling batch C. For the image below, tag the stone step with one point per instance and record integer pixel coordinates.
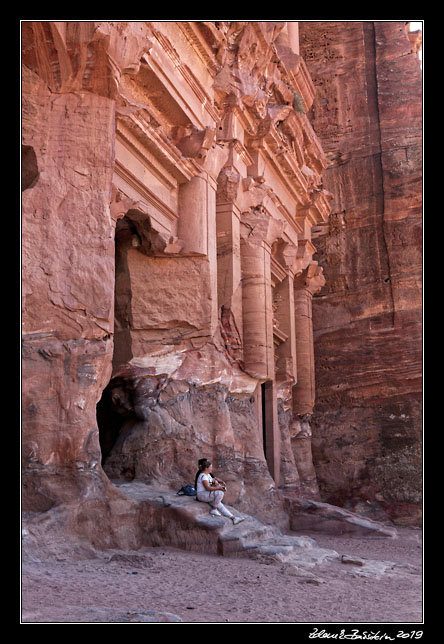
(316, 516)
(190, 526)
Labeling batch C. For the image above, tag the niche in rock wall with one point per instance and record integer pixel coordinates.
(30, 170)
(268, 425)
(114, 409)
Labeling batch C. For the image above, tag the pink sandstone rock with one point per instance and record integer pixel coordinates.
(172, 188)
(367, 320)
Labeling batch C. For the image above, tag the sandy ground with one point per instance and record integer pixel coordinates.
(143, 586)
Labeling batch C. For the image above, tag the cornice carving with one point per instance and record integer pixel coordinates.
(270, 82)
(84, 56)
(148, 198)
(318, 208)
(199, 44)
(203, 97)
(148, 135)
(297, 73)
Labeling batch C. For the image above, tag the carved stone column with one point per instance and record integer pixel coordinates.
(197, 229)
(285, 364)
(293, 35)
(285, 330)
(306, 285)
(258, 232)
(302, 454)
(285, 254)
(193, 222)
(229, 290)
(197, 197)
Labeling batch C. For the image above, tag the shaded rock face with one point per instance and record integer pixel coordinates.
(367, 320)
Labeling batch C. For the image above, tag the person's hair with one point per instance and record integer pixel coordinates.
(203, 463)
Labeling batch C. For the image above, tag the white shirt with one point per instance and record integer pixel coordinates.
(200, 478)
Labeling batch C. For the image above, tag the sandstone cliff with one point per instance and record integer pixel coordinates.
(367, 320)
(173, 205)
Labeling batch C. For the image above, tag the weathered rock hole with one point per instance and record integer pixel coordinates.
(30, 170)
(115, 418)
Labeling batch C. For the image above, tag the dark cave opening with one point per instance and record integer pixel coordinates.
(109, 422)
(115, 409)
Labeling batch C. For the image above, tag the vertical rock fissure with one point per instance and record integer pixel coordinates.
(371, 75)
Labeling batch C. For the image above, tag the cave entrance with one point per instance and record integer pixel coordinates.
(108, 421)
(110, 414)
(30, 170)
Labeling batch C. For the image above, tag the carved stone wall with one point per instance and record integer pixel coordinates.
(173, 200)
(171, 182)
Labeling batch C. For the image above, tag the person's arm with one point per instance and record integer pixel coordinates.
(210, 488)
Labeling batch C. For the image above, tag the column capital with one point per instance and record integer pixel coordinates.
(311, 279)
(195, 143)
(295, 257)
(286, 253)
(228, 182)
(258, 226)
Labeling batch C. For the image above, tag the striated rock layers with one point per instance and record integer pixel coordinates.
(367, 319)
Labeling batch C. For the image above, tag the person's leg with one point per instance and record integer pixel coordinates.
(216, 499)
(213, 500)
(224, 511)
(216, 503)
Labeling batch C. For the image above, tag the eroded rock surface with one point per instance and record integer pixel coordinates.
(367, 320)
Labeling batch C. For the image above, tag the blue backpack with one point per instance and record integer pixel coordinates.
(187, 490)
